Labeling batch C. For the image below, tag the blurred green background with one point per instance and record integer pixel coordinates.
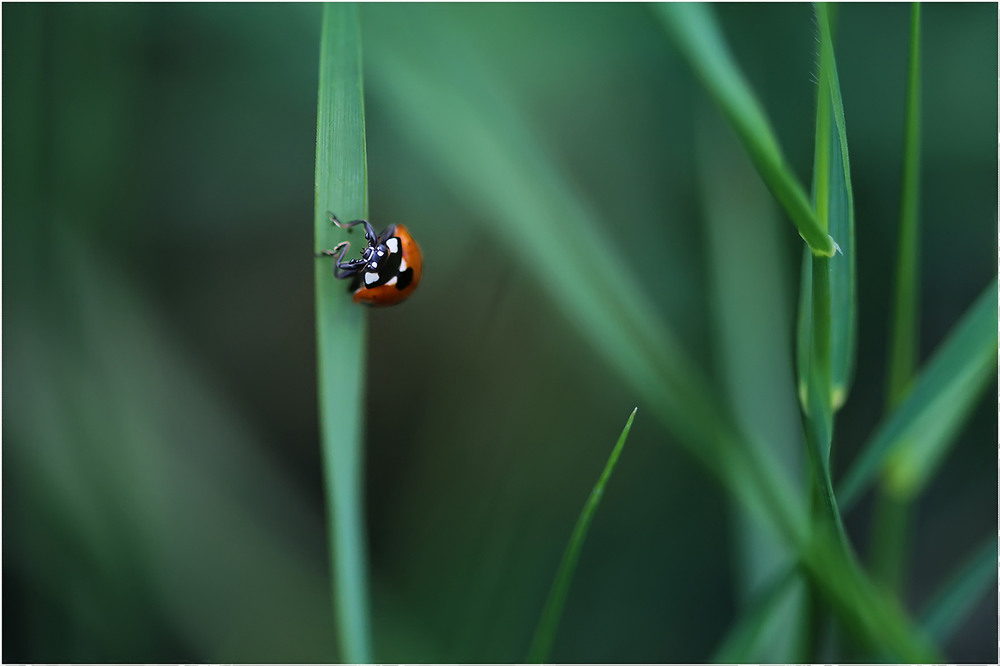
(162, 494)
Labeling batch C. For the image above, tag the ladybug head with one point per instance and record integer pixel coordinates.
(374, 254)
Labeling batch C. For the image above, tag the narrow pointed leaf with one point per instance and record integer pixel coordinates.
(545, 633)
(695, 33)
(341, 187)
(910, 444)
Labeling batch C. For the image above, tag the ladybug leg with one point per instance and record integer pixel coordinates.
(369, 231)
(342, 269)
(339, 251)
(348, 268)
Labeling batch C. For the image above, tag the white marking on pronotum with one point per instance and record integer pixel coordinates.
(402, 265)
(371, 278)
(392, 244)
(391, 282)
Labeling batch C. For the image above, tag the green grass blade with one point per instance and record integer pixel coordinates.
(545, 633)
(958, 597)
(909, 445)
(341, 187)
(872, 615)
(697, 36)
(803, 329)
(773, 615)
(818, 408)
(834, 203)
(889, 527)
(875, 617)
(826, 351)
(903, 337)
(816, 325)
(837, 216)
(889, 531)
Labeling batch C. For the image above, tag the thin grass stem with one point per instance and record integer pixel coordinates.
(889, 532)
(904, 332)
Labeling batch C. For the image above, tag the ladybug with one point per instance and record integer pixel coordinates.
(389, 269)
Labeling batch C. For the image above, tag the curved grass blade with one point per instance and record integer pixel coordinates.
(545, 633)
(696, 34)
(875, 617)
(772, 616)
(909, 445)
(341, 187)
(904, 340)
(958, 597)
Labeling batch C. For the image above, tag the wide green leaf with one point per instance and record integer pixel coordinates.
(341, 188)
(545, 633)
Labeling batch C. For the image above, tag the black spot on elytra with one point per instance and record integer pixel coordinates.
(404, 279)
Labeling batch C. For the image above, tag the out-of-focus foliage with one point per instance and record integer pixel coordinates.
(162, 495)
